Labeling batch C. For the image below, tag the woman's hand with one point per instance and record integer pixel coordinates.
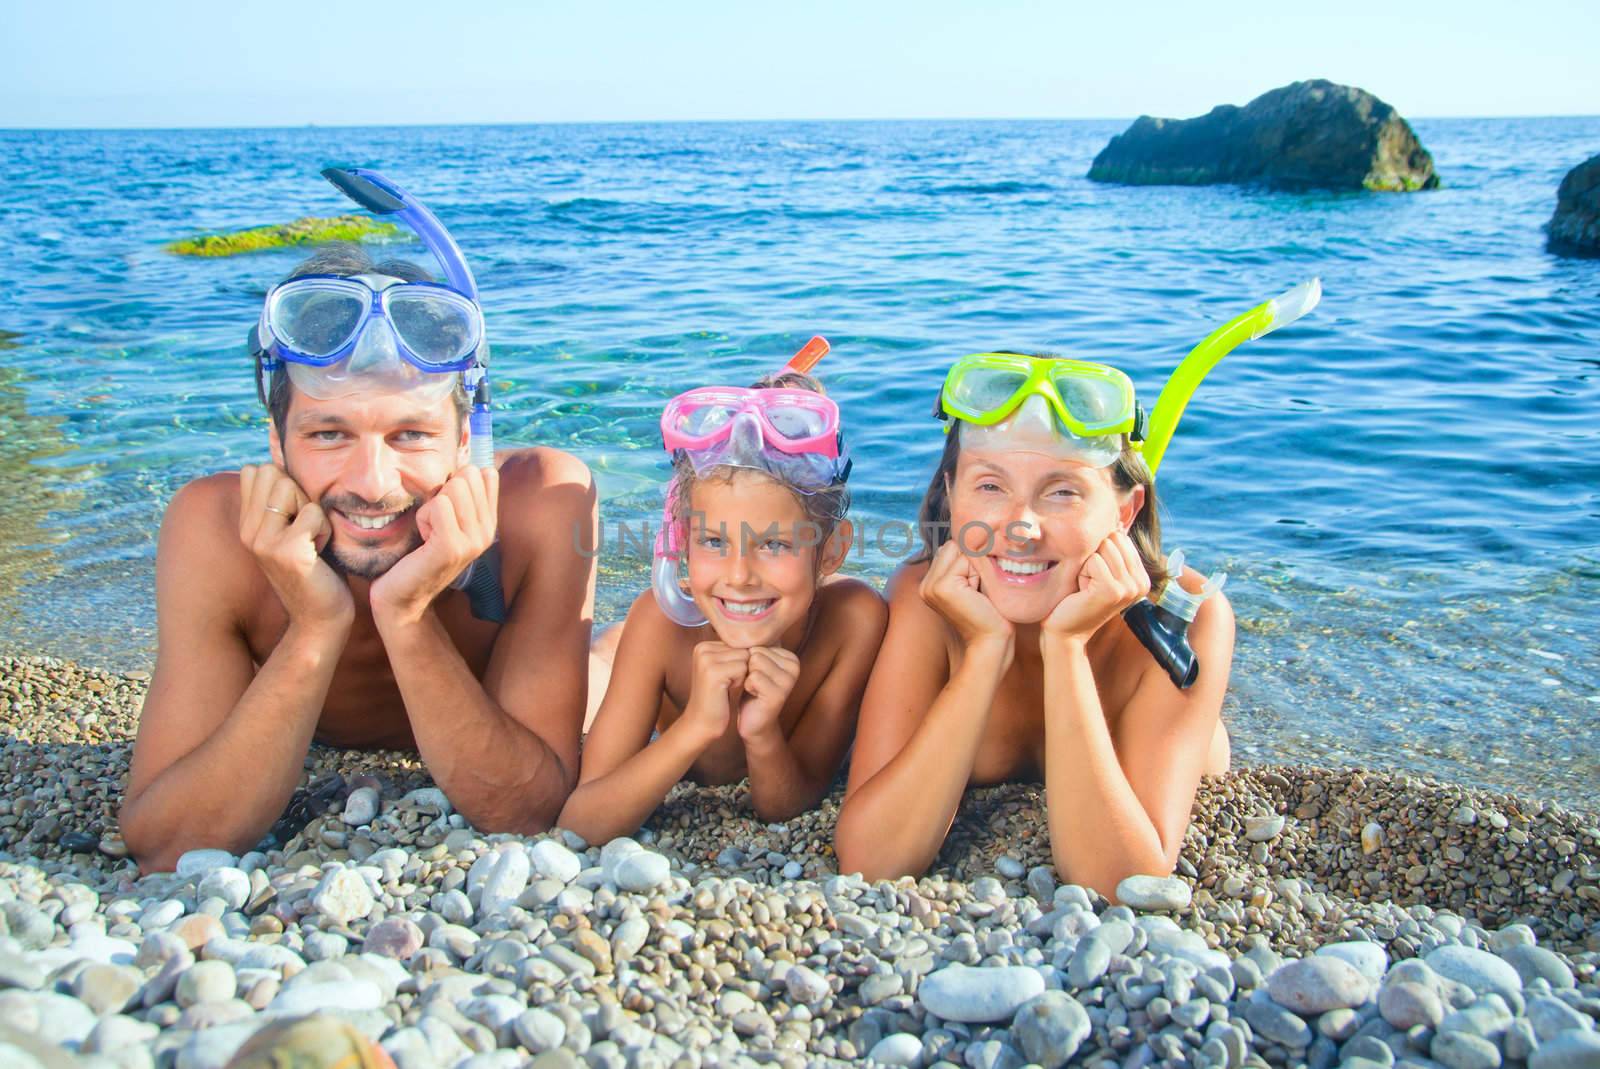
(951, 588)
(1110, 580)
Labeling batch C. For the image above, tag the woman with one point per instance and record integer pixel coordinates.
(1007, 657)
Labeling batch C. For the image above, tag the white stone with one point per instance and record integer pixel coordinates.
(552, 861)
(977, 996)
(507, 879)
(193, 864)
(227, 883)
(642, 871)
(342, 896)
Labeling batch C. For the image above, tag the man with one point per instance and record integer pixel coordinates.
(318, 597)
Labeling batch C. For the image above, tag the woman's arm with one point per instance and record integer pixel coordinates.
(789, 775)
(623, 775)
(920, 724)
(1119, 805)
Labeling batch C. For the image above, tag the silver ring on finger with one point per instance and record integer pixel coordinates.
(275, 508)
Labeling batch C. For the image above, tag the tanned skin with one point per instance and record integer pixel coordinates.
(772, 696)
(987, 678)
(265, 647)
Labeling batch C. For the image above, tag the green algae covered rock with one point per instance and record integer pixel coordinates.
(308, 231)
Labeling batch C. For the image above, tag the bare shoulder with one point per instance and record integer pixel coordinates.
(852, 609)
(544, 492)
(538, 470)
(209, 501)
(904, 588)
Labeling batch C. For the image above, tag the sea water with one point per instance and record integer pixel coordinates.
(1402, 486)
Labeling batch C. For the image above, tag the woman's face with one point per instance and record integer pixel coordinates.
(752, 559)
(1029, 522)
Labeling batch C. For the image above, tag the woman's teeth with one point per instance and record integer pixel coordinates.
(746, 608)
(1019, 567)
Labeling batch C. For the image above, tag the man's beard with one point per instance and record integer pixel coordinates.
(363, 562)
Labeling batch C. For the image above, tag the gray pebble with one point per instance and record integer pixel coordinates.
(1478, 969)
(1569, 1050)
(1535, 962)
(1155, 893)
(1462, 1050)
(642, 871)
(958, 993)
(1317, 984)
(1277, 1024)
(1050, 1028)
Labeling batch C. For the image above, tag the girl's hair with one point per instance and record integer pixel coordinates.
(823, 508)
(1129, 470)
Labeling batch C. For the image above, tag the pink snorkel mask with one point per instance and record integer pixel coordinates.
(792, 435)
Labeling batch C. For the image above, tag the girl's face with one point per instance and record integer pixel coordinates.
(1029, 522)
(753, 559)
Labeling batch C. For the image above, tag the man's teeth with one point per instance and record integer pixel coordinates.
(373, 523)
(747, 608)
(1019, 567)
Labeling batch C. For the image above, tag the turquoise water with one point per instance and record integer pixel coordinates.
(1403, 486)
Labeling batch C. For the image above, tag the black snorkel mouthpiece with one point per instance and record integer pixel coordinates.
(1163, 625)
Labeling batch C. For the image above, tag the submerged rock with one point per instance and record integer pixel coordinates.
(1574, 229)
(1308, 135)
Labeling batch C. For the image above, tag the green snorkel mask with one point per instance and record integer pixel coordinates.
(1082, 412)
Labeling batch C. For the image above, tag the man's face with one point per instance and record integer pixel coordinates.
(370, 460)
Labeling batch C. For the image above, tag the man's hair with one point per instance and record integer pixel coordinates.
(345, 259)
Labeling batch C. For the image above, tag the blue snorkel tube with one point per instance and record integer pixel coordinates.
(380, 196)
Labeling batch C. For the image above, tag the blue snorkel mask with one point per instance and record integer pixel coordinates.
(336, 335)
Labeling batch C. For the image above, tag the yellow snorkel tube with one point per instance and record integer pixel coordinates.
(1263, 319)
(1162, 624)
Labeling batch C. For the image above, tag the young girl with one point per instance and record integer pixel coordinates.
(1007, 655)
(758, 670)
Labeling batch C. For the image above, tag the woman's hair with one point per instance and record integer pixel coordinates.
(345, 259)
(1129, 470)
(823, 508)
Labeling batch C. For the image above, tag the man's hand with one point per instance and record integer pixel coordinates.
(457, 524)
(772, 675)
(1110, 580)
(720, 671)
(286, 531)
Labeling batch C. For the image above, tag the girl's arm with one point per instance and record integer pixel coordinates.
(1119, 805)
(921, 724)
(790, 775)
(623, 775)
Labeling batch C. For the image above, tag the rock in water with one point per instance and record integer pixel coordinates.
(1308, 135)
(1575, 227)
(978, 996)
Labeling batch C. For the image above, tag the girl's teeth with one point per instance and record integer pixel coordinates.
(373, 523)
(746, 608)
(1017, 567)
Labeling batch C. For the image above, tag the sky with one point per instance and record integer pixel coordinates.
(177, 63)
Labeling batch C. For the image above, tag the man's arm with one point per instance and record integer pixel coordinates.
(789, 776)
(505, 751)
(221, 746)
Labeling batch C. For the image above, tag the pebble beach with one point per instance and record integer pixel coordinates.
(1319, 916)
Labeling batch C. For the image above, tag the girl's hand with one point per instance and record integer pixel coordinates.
(772, 676)
(951, 588)
(718, 675)
(1110, 580)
